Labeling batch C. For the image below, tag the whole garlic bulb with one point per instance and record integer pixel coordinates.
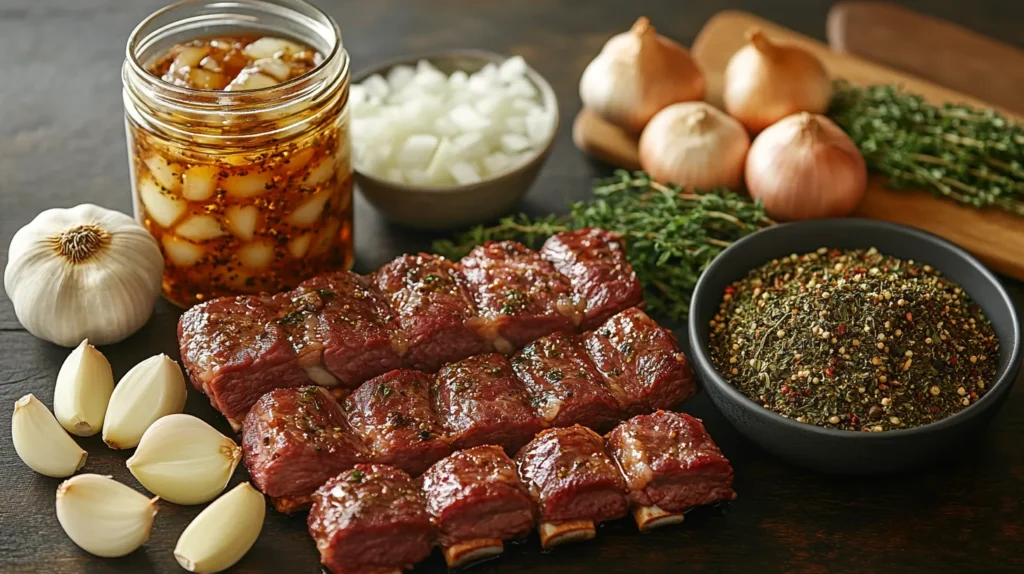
(83, 273)
(637, 74)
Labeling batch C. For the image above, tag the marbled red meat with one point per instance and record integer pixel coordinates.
(571, 478)
(563, 385)
(353, 325)
(670, 461)
(433, 309)
(519, 296)
(370, 520)
(234, 351)
(480, 401)
(393, 415)
(294, 440)
(641, 363)
(594, 261)
(476, 493)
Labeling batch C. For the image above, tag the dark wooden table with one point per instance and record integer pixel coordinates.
(62, 143)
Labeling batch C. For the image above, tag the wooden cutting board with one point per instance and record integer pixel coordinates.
(929, 48)
(995, 237)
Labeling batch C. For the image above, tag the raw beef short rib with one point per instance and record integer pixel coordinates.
(393, 415)
(480, 401)
(433, 308)
(641, 363)
(595, 262)
(296, 439)
(563, 385)
(371, 519)
(519, 296)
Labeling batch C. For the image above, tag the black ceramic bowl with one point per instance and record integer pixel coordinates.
(854, 452)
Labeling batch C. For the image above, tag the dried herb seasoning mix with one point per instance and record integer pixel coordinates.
(854, 340)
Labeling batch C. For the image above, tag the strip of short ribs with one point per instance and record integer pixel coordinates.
(594, 261)
(641, 363)
(433, 308)
(294, 440)
(564, 386)
(573, 482)
(480, 401)
(670, 464)
(393, 415)
(519, 296)
(371, 519)
(477, 501)
(235, 352)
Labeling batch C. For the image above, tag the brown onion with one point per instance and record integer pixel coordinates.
(765, 82)
(806, 167)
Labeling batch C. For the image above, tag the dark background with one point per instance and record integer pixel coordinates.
(62, 143)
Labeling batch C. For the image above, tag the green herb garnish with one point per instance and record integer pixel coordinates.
(972, 156)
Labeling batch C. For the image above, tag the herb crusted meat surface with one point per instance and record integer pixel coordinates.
(371, 519)
(476, 493)
(670, 461)
(595, 262)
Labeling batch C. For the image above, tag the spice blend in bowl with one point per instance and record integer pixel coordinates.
(854, 340)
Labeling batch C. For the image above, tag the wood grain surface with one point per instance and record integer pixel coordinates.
(933, 49)
(62, 143)
(992, 235)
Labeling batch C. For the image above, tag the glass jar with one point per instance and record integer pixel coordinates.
(245, 191)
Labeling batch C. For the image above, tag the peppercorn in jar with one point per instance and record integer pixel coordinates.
(238, 142)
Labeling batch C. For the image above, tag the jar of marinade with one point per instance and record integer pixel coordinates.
(238, 144)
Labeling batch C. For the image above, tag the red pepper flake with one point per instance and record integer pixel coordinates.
(910, 316)
(830, 371)
(883, 387)
(952, 360)
(934, 410)
(784, 390)
(842, 328)
(730, 289)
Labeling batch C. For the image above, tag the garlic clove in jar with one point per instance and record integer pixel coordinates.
(41, 441)
(184, 460)
(84, 384)
(103, 516)
(150, 390)
(637, 74)
(223, 532)
(83, 273)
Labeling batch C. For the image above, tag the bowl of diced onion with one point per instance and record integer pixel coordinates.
(450, 139)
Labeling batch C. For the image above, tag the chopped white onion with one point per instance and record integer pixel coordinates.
(419, 126)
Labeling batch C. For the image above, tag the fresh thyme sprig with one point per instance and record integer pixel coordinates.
(672, 235)
(973, 156)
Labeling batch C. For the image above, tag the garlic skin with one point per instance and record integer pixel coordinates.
(223, 532)
(637, 74)
(184, 460)
(806, 167)
(765, 82)
(103, 516)
(41, 441)
(83, 273)
(83, 389)
(695, 146)
(152, 389)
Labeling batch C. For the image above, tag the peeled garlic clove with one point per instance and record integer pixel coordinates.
(184, 460)
(309, 212)
(223, 532)
(41, 442)
(256, 255)
(83, 389)
(103, 516)
(152, 389)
